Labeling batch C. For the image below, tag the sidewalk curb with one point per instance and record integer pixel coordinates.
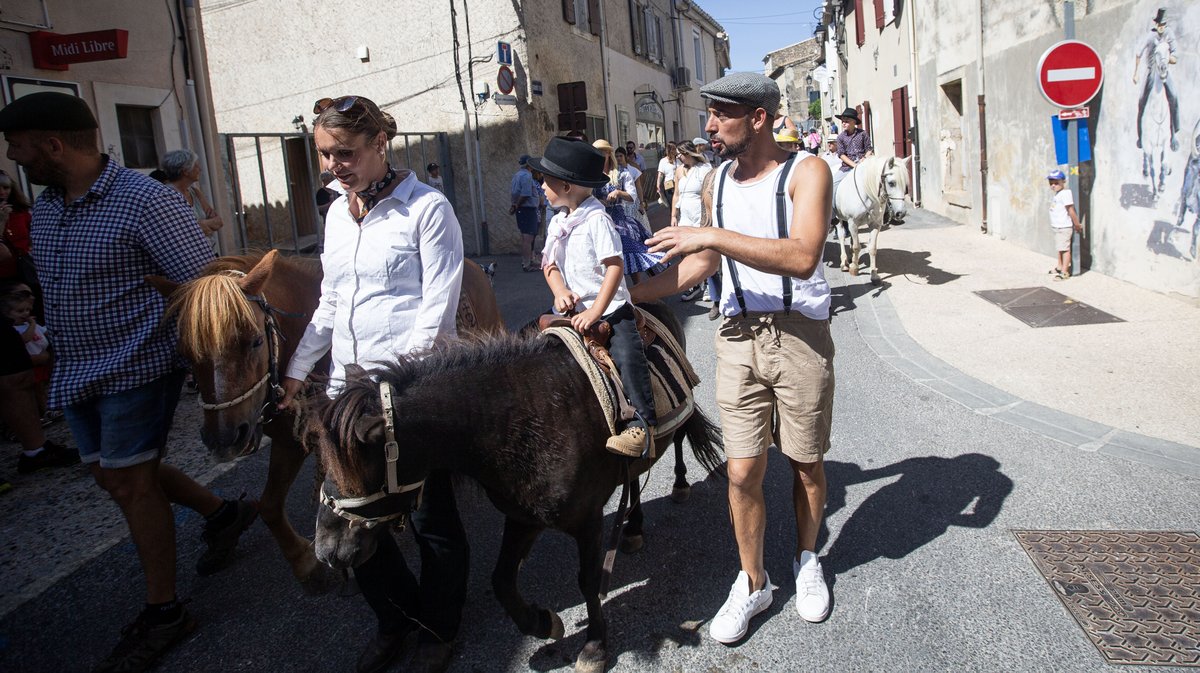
(884, 333)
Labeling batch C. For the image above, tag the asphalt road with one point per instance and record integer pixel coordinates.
(924, 569)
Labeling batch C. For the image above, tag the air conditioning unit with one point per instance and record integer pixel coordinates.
(681, 79)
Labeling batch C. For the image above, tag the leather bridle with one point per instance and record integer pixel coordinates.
(384, 505)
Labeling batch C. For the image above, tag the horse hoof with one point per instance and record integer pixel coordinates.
(322, 580)
(680, 494)
(631, 544)
(875, 280)
(592, 658)
(845, 267)
(556, 627)
(854, 271)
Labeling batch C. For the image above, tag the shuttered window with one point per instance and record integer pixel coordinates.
(880, 19)
(568, 10)
(860, 28)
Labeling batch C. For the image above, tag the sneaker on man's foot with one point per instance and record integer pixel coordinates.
(51, 455)
(733, 619)
(142, 643)
(812, 596)
(690, 294)
(631, 442)
(222, 541)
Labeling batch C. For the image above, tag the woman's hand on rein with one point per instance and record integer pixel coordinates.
(291, 387)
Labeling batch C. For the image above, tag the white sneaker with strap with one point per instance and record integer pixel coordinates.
(812, 596)
(733, 620)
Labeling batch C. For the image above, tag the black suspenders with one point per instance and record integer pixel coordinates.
(780, 221)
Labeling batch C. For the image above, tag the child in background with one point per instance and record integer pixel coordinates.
(17, 305)
(583, 266)
(1063, 220)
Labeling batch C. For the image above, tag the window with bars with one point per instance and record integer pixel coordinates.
(136, 126)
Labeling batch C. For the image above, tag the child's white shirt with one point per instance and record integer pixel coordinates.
(588, 238)
(1059, 218)
(39, 344)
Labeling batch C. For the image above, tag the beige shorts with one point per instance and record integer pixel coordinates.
(768, 363)
(1062, 238)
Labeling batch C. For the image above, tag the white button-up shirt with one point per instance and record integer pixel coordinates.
(578, 243)
(391, 284)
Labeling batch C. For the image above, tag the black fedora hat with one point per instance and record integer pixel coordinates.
(850, 113)
(572, 160)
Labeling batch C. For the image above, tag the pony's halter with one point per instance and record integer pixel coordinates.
(371, 510)
(271, 377)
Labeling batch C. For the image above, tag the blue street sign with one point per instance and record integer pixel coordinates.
(504, 53)
(1059, 127)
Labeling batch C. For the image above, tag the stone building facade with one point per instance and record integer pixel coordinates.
(985, 133)
(140, 67)
(618, 70)
(792, 69)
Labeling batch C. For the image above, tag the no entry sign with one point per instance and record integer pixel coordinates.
(1070, 74)
(505, 80)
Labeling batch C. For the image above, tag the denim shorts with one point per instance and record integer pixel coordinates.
(126, 428)
(527, 221)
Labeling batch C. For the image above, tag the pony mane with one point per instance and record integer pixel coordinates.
(872, 173)
(337, 443)
(212, 312)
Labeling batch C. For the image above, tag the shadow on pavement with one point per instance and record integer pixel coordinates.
(931, 495)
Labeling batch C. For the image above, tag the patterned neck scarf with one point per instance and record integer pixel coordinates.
(368, 197)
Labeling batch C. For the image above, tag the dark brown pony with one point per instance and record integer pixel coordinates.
(517, 415)
(226, 317)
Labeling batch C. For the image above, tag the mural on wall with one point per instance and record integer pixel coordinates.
(1150, 124)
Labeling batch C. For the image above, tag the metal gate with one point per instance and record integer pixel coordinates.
(273, 179)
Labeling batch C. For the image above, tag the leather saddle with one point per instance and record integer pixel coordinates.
(596, 338)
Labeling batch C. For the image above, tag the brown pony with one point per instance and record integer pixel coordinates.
(239, 323)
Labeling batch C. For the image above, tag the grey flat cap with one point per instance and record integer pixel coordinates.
(744, 88)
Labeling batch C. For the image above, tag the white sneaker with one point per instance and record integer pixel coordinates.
(731, 623)
(812, 596)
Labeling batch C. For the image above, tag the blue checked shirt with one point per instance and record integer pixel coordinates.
(854, 145)
(105, 321)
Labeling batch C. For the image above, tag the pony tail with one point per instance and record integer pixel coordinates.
(705, 438)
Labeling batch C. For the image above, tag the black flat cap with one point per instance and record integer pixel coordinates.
(47, 111)
(744, 88)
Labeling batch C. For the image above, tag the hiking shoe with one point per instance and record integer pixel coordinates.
(142, 643)
(222, 541)
(812, 596)
(51, 455)
(732, 621)
(631, 442)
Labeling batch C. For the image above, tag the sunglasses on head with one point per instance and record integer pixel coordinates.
(341, 104)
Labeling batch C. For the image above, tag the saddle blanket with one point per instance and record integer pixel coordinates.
(671, 378)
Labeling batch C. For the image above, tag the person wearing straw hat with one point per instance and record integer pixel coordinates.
(582, 263)
(788, 139)
(774, 348)
(620, 197)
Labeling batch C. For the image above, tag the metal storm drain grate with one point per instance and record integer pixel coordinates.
(1043, 307)
(1136, 594)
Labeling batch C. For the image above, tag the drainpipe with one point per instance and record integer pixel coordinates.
(609, 113)
(199, 103)
(983, 162)
(481, 242)
(915, 104)
(478, 161)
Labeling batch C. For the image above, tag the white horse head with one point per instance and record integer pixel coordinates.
(895, 186)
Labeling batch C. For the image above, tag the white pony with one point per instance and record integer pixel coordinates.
(872, 194)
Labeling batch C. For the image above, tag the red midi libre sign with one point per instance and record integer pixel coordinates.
(1070, 74)
(52, 51)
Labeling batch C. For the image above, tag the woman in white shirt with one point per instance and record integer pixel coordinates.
(393, 270)
(666, 175)
(689, 179)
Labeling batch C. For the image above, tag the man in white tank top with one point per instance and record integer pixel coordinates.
(771, 211)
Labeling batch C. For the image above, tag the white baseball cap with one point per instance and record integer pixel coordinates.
(699, 141)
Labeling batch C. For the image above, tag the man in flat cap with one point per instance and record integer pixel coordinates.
(98, 229)
(774, 349)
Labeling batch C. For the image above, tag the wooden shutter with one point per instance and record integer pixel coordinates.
(568, 9)
(860, 28)
(879, 18)
(901, 123)
(594, 17)
(635, 15)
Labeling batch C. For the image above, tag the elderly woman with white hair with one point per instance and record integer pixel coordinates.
(183, 172)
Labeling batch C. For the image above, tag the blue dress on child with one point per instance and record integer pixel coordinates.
(633, 234)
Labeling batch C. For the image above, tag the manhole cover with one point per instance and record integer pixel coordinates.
(1136, 594)
(1043, 307)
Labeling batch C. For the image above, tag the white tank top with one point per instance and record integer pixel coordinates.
(689, 195)
(749, 209)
